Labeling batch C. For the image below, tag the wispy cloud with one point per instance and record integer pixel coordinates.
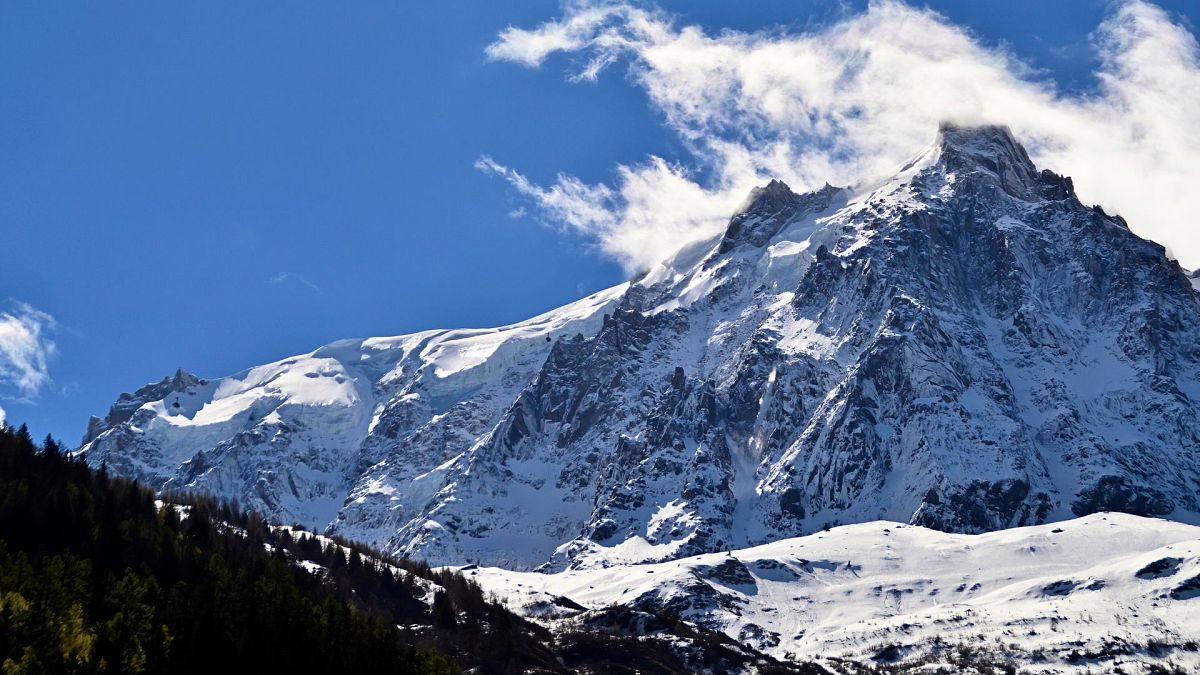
(286, 277)
(25, 350)
(853, 100)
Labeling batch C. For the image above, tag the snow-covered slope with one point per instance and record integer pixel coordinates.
(1095, 593)
(296, 438)
(962, 345)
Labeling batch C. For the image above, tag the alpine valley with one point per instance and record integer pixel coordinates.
(963, 350)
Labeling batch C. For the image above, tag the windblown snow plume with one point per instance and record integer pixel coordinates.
(852, 99)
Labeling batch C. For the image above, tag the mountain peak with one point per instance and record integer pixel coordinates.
(768, 208)
(987, 143)
(994, 149)
(769, 198)
(955, 134)
(128, 403)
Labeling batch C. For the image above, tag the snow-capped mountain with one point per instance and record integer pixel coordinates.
(1104, 593)
(963, 346)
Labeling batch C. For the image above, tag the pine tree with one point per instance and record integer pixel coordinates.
(444, 614)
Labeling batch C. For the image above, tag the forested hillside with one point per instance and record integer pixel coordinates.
(95, 577)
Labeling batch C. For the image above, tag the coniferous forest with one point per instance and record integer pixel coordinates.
(95, 577)
(98, 576)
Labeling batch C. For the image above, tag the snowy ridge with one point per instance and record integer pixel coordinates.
(1091, 593)
(962, 345)
(286, 438)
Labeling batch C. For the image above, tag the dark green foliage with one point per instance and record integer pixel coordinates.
(94, 577)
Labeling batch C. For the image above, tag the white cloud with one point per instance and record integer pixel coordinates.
(579, 29)
(285, 277)
(25, 349)
(853, 100)
(652, 203)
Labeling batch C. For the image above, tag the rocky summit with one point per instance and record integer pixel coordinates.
(963, 346)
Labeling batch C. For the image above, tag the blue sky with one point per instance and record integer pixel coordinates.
(216, 185)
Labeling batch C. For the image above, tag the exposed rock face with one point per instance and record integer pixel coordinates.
(964, 346)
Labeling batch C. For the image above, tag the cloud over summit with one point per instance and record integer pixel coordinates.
(853, 100)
